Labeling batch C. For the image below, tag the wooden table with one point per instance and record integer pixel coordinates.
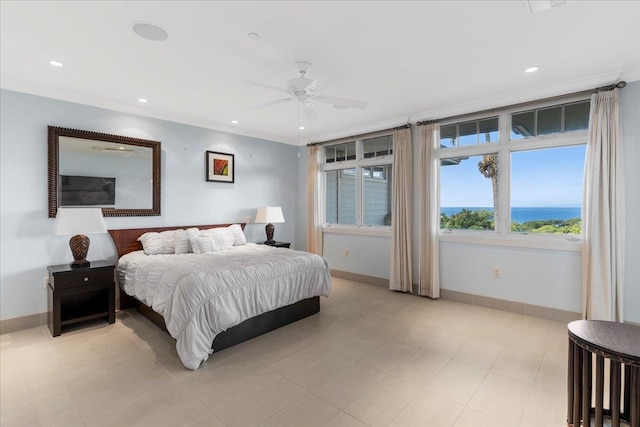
(620, 344)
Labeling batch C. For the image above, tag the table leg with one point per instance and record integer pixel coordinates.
(586, 387)
(614, 393)
(635, 396)
(577, 385)
(570, 385)
(599, 391)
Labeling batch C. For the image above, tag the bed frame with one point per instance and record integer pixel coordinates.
(126, 241)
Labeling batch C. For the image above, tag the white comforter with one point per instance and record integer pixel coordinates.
(201, 295)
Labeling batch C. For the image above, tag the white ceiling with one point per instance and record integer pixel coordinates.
(411, 60)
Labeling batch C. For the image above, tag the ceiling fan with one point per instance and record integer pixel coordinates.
(305, 91)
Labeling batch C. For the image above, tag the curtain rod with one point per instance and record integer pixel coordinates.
(407, 126)
(619, 85)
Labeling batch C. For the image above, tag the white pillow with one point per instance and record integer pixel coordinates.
(193, 234)
(154, 243)
(181, 242)
(222, 237)
(238, 235)
(204, 244)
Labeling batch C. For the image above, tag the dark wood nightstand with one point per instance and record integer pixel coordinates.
(79, 294)
(280, 245)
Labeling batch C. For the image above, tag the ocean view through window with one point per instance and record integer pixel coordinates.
(523, 174)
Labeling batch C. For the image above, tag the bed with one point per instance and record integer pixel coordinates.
(210, 301)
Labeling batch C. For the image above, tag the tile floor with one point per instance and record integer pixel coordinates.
(371, 357)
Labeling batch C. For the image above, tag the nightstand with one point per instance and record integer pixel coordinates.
(79, 294)
(280, 245)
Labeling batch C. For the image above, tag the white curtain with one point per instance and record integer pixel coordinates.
(603, 217)
(314, 192)
(429, 251)
(401, 208)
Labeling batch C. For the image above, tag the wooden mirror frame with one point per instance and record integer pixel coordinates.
(55, 133)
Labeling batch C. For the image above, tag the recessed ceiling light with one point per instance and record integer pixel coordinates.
(150, 32)
(235, 122)
(531, 69)
(253, 36)
(142, 100)
(56, 63)
(301, 128)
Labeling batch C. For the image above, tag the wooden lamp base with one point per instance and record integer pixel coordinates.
(79, 245)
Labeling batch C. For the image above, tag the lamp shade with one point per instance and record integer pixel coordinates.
(269, 214)
(79, 221)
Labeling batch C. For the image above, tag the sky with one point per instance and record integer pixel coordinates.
(541, 178)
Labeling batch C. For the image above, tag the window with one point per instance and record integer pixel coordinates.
(518, 173)
(357, 178)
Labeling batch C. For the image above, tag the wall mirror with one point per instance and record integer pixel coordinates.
(119, 174)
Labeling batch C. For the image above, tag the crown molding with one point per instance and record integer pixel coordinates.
(96, 101)
(566, 88)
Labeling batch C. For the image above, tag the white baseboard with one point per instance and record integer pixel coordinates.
(24, 322)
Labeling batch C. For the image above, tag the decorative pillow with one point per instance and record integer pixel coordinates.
(238, 235)
(158, 243)
(223, 237)
(181, 242)
(193, 234)
(204, 244)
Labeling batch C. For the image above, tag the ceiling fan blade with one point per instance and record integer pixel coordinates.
(266, 86)
(342, 102)
(321, 83)
(269, 104)
(309, 111)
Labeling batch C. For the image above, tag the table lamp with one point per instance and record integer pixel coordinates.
(269, 215)
(78, 222)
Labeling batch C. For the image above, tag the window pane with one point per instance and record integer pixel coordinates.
(448, 136)
(369, 148)
(467, 197)
(377, 196)
(523, 125)
(576, 116)
(330, 154)
(340, 204)
(351, 150)
(374, 147)
(340, 152)
(546, 190)
(489, 130)
(549, 121)
(468, 133)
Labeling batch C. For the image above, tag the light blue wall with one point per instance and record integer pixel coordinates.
(547, 278)
(630, 111)
(266, 174)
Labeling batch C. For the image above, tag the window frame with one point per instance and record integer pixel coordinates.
(502, 235)
(358, 163)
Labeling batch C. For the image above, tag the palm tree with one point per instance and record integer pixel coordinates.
(488, 167)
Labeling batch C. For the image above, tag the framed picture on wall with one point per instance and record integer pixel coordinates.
(220, 167)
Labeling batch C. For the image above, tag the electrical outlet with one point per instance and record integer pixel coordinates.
(346, 253)
(46, 281)
(496, 272)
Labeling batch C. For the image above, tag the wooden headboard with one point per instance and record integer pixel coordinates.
(126, 239)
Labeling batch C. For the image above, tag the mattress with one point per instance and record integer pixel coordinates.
(202, 295)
